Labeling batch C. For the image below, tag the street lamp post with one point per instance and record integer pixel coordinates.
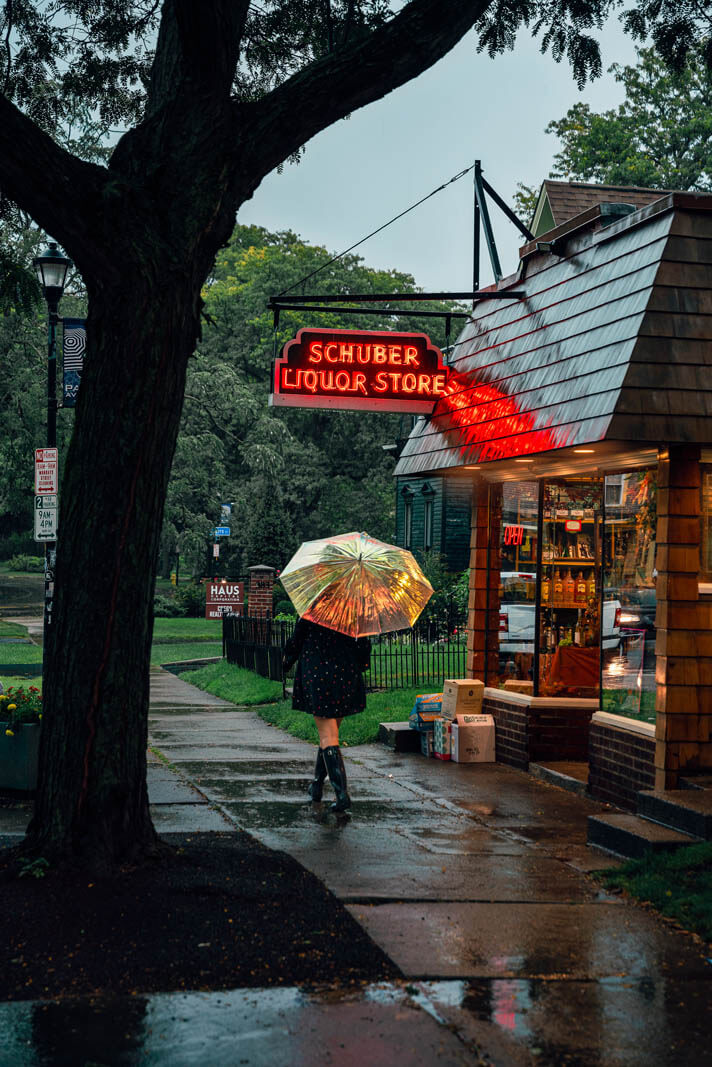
(51, 267)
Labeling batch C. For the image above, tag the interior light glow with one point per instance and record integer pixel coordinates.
(584, 450)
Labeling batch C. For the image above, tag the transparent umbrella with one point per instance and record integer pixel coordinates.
(356, 584)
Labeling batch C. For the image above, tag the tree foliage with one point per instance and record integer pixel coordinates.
(659, 137)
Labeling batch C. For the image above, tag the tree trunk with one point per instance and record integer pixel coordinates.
(92, 799)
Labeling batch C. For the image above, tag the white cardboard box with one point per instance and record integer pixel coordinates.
(473, 739)
(462, 695)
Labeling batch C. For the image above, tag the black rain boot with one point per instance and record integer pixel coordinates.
(337, 777)
(315, 786)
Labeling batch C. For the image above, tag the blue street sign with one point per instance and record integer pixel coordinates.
(222, 531)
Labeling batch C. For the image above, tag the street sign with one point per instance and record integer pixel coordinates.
(46, 517)
(46, 470)
(216, 551)
(222, 531)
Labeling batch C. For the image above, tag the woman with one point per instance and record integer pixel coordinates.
(329, 685)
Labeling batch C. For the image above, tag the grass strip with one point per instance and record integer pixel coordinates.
(234, 683)
(178, 651)
(186, 630)
(12, 629)
(678, 884)
(24, 653)
(392, 706)
(8, 680)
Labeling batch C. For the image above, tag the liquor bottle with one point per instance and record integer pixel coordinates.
(578, 638)
(545, 589)
(591, 586)
(558, 587)
(569, 588)
(581, 589)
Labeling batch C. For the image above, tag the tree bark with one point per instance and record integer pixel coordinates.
(144, 234)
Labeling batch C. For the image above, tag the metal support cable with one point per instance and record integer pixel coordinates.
(333, 259)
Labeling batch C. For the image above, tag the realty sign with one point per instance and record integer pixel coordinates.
(223, 597)
(46, 470)
(360, 370)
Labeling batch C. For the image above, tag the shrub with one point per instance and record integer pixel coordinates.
(191, 599)
(18, 706)
(165, 607)
(22, 562)
(285, 607)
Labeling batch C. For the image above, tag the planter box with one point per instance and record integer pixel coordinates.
(18, 757)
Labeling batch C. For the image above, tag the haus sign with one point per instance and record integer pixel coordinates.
(223, 597)
(360, 370)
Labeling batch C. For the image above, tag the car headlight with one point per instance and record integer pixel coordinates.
(628, 618)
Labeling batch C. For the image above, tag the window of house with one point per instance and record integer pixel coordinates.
(408, 522)
(428, 509)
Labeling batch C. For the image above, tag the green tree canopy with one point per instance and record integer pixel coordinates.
(659, 137)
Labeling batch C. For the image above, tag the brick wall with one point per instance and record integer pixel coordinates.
(510, 729)
(483, 604)
(259, 598)
(621, 763)
(684, 623)
(558, 732)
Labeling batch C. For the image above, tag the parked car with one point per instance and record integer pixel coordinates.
(516, 615)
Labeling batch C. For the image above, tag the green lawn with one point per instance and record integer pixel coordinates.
(678, 884)
(394, 706)
(234, 683)
(7, 681)
(24, 653)
(11, 629)
(177, 651)
(187, 630)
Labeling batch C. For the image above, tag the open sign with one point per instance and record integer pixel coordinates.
(514, 535)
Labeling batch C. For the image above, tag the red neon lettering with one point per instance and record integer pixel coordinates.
(360, 382)
(327, 349)
(395, 377)
(311, 380)
(410, 383)
(343, 380)
(513, 535)
(394, 354)
(286, 384)
(381, 382)
(346, 353)
(363, 353)
(410, 355)
(315, 352)
(326, 379)
(424, 384)
(439, 385)
(379, 353)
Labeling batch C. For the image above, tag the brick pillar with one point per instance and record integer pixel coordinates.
(259, 603)
(483, 604)
(684, 624)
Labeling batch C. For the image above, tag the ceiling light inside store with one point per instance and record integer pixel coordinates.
(524, 461)
(584, 450)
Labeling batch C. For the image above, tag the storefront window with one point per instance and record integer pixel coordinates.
(517, 592)
(628, 676)
(570, 617)
(706, 574)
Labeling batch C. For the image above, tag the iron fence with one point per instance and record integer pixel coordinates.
(433, 650)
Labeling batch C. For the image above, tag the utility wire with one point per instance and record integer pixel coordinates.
(333, 259)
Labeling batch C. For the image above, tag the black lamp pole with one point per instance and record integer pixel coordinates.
(51, 267)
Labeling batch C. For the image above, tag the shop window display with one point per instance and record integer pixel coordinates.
(628, 676)
(517, 591)
(570, 595)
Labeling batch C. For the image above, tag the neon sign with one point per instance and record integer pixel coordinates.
(360, 370)
(514, 535)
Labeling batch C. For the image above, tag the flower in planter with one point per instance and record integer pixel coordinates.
(20, 706)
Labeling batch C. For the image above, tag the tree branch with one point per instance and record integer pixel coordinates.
(326, 90)
(49, 183)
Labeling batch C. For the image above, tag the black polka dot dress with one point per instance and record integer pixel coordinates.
(329, 677)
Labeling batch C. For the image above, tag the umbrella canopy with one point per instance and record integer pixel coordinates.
(356, 585)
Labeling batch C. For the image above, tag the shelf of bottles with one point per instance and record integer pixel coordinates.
(570, 586)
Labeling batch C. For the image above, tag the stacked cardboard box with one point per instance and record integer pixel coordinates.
(462, 696)
(473, 739)
(442, 739)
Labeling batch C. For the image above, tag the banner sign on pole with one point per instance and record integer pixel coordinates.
(360, 370)
(74, 346)
(224, 597)
(46, 470)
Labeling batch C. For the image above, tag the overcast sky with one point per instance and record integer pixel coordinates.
(369, 167)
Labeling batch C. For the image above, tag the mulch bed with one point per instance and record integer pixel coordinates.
(220, 912)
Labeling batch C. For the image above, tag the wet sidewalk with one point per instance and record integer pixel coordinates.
(471, 877)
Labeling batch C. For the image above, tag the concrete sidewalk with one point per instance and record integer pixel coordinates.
(471, 877)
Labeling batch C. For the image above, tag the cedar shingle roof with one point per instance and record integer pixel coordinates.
(609, 343)
(568, 199)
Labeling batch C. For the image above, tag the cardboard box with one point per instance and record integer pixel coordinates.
(427, 708)
(473, 739)
(442, 739)
(426, 743)
(515, 685)
(462, 695)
